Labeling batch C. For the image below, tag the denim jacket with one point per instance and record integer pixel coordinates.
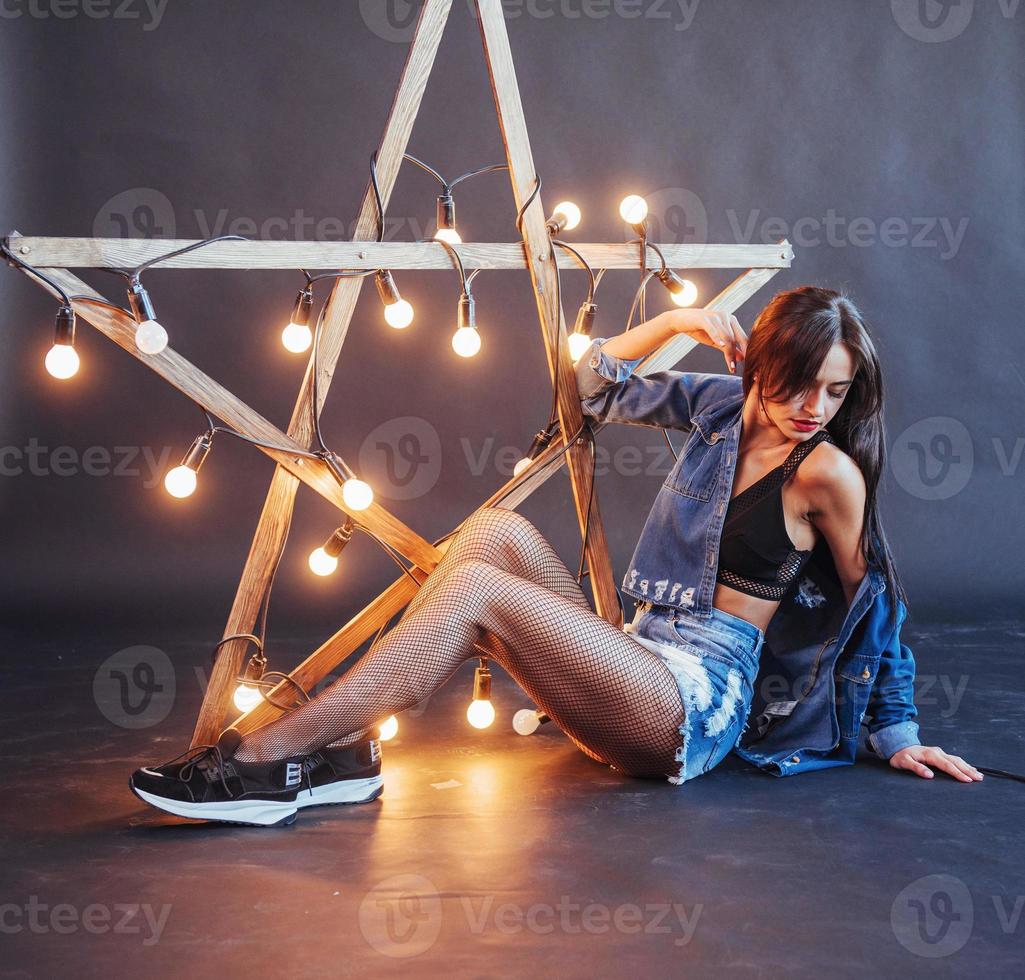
(825, 669)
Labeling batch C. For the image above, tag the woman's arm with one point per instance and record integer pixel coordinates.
(706, 326)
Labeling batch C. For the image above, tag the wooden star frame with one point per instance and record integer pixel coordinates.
(58, 255)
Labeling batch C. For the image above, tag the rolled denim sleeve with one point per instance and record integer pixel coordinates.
(891, 712)
(611, 392)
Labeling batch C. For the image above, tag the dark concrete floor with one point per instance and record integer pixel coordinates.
(491, 853)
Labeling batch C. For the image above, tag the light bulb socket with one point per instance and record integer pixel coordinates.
(341, 537)
(303, 308)
(138, 299)
(585, 318)
(671, 281)
(467, 316)
(254, 669)
(64, 328)
(556, 223)
(198, 452)
(386, 287)
(446, 211)
(482, 684)
(541, 442)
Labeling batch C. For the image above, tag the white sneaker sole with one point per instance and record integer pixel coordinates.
(342, 791)
(259, 813)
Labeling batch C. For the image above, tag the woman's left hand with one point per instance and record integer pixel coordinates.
(918, 758)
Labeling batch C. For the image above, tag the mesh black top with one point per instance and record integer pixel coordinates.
(756, 555)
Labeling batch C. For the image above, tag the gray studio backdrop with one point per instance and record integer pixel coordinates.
(883, 138)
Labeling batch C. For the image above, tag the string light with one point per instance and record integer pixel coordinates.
(398, 313)
(633, 209)
(565, 217)
(298, 336)
(542, 440)
(447, 220)
(248, 694)
(388, 728)
(181, 481)
(324, 560)
(466, 340)
(62, 359)
(481, 712)
(150, 336)
(526, 721)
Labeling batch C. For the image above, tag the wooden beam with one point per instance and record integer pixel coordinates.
(543, 275)
(269, 538)
(123, 253)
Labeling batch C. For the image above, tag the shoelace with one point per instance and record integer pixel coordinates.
(202, 753)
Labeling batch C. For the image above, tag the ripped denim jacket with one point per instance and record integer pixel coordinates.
(826, 669)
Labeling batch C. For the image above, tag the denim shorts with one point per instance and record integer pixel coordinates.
(715, 663)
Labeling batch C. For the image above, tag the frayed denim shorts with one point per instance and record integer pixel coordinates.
(715, 663)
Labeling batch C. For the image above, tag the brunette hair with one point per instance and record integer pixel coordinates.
(789, 341)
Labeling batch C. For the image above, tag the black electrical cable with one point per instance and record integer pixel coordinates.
(5, 248)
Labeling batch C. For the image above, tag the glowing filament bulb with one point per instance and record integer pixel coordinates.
(687, 295)
(357, 494)
(578, 343)
(449, 235)
(388, 728)
(569, 213)
(246, 697)
(321, 563)
(466, 341)
(480, 714)
(297, 337)
(399, 315)
(633, 209)
(181, 481)
(62, 361)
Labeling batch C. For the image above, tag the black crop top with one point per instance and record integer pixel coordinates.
(756, 555)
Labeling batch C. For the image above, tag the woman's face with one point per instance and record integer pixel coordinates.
(803, 415)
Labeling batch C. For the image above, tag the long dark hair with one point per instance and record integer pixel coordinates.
(789, 341)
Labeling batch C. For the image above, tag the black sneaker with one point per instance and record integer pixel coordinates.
(212, 785)
(349, 775)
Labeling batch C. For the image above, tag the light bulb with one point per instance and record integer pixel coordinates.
(246, 697)
(180, 482)
(466, 341)
(480, 714)
(687, 295)
(150, 337)
(449, 235)
(526, 721)
(578, 343)
(522, 465)
(321, 563)
(62, 361)
(297, 337)
(399, 315)
(633, 209)
(388, 728)
(357, 494)
(568, 215)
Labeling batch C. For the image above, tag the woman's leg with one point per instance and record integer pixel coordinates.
(607, 692)
(505, 539)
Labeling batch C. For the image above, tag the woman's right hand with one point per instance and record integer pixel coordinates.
(714, 328)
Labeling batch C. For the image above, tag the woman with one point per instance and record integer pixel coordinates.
(767, 526)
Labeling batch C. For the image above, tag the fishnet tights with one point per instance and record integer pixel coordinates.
(501, 586)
